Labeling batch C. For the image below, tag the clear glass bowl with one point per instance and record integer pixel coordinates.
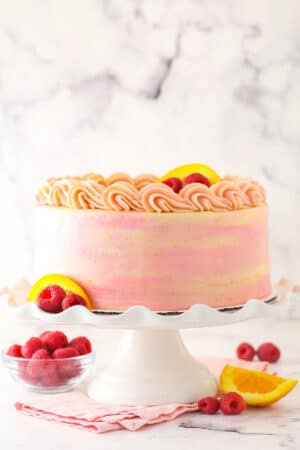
(49, 376)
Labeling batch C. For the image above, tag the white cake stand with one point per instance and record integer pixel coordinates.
(152, 365)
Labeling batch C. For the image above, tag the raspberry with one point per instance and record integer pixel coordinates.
(50, 298)
(44, 334)
(31, 346)
(174, 183)
(82, 345)
(245, 351)
(209, 405)
(41, 364)
(15, 350)
(52, 379)
(195, 178)
(268, 352)
(67, 368)
(23, 374)
(232, 403)
(66, 352)
(72, 300)
(54, 340)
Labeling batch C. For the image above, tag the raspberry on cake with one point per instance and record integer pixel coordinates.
(149, 241)
(174, 183)
(195, 178)
(50, 298)
(72, 300)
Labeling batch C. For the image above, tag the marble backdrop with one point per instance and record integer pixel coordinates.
(104, 85)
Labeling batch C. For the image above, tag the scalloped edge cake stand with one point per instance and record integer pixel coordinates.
(152, 365)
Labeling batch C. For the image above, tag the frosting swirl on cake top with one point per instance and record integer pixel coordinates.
(144, 193)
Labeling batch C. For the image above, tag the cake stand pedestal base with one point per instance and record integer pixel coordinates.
(152, 367)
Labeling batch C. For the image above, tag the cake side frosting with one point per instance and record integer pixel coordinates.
(119, 192)
(163, 261)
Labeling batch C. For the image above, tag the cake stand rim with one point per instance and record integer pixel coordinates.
(140, 317)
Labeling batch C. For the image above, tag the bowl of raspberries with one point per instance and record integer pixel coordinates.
(50, 363)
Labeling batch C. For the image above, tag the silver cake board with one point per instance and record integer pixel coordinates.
(270, 299)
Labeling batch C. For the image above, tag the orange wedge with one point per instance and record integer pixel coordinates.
(69, 285)
(257, 388)
(182, 171)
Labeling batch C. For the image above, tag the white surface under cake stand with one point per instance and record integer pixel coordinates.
(152, 365)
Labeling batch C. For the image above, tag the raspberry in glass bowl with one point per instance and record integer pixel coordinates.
(40, 367)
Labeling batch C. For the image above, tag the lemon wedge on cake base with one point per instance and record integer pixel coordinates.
(69, 285)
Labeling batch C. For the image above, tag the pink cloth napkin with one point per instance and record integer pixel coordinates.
(216, 365)
(78, 410)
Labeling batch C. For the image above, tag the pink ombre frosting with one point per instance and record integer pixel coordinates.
(166, 262)
(120, 192)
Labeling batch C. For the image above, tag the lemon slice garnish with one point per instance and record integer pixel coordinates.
(182, 171)
(66, 283)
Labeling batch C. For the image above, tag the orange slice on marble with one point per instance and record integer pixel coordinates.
(182, 171)
(69, 285)
(257, 388)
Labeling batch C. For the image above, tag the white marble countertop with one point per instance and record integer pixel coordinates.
(275, 427)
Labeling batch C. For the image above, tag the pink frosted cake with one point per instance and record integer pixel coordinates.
(166, 244)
